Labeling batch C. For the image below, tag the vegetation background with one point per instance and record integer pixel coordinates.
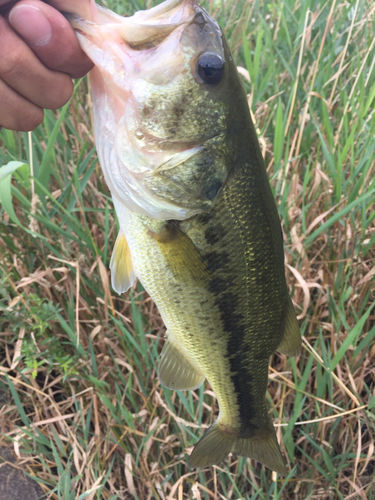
(82, 407)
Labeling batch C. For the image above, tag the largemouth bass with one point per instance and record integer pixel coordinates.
(199, 225)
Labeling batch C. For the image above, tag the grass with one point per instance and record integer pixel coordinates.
(83, 409)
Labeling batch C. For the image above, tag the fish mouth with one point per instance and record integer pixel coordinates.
(147, 28)
(123, 47)
(144, 29)
(120, 48)
(136, 59)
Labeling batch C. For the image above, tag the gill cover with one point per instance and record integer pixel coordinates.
(159, 128)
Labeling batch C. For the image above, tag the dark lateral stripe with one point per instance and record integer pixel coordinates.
(222, 287)
(242, 377)
(246, 342)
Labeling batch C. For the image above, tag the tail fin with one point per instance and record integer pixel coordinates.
(219, 440)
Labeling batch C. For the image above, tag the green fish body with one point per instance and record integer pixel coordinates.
(199, 228)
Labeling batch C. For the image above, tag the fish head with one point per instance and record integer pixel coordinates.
(162, 115)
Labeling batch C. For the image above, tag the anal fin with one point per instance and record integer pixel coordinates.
(176, 371)
(291, 341)
(122, 270)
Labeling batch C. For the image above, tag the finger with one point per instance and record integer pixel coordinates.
(21, 70)
(83, 8)
(50, 37)
(16, 112)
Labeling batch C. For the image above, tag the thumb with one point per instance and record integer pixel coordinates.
(50, 36)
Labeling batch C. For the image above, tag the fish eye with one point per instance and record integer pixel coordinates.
(210, 67)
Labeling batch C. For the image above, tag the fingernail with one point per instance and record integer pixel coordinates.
(31, 24)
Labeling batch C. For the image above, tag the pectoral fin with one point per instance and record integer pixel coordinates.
(176, 371)
(122, 270)
(291, 341)
(182, 256)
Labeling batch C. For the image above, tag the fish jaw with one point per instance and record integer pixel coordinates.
(141, 64)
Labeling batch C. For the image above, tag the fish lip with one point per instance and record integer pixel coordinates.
(154, 14)
(172, 145)
(167, 6)
(172, 142)
(80, 24)
(141, 28)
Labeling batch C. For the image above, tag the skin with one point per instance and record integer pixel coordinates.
(39, 57)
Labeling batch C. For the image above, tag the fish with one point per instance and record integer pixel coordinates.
(198, 222)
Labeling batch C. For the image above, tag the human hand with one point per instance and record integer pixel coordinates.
(39, 57)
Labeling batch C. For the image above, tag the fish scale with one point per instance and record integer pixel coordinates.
(198, 223)
(243, 298)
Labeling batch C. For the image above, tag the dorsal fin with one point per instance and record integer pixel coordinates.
(122, 270)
